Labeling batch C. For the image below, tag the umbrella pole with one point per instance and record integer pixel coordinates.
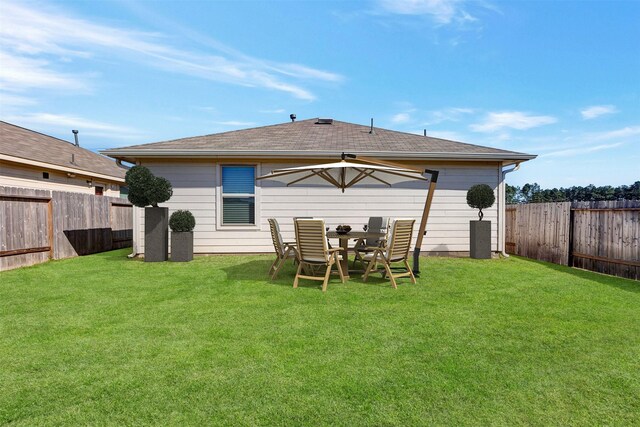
(423, 221)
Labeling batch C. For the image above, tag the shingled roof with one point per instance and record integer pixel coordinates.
(309, 138)
(20, 143)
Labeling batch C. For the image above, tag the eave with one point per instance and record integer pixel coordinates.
(51, 166)
(130, 155)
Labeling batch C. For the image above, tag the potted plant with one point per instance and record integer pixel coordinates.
(182, 224)
(480, 197)
(146, 190)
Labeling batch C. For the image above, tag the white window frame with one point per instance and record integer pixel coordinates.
(219, 201)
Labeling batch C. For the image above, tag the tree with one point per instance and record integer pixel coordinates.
(512, 194)
(532, 193)
(146, 189)
(480, 196)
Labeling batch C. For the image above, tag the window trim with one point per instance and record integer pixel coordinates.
(256, 195)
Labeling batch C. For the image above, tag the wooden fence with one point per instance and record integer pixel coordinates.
(37, 225)
(597, 236)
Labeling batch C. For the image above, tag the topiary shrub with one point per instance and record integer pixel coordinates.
(480, 196)
(182, 221)
(147, 189)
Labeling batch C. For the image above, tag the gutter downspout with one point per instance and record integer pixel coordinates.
(504, 190)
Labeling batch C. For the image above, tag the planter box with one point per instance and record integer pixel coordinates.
(480, 239)
(156, 234)
(182, 246)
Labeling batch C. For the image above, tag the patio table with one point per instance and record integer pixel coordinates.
(344, 244)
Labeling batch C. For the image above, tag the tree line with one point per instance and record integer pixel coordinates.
(532, 193)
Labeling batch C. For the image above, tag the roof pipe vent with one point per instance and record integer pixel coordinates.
(75, 136)
(425, 132)
(371, 131)
(292, 117)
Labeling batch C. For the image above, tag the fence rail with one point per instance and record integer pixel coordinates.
(598, 236)
(37, 225)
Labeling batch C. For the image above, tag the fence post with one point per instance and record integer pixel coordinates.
(570, 246)
(50, 227)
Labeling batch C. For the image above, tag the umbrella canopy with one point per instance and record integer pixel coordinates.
(355, 170)
(345, 174)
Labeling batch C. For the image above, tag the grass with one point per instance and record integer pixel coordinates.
(107, 340)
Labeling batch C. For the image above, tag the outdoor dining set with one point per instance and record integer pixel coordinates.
(381, 243)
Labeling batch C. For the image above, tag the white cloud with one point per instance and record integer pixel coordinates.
(37, 35)
(443, 12)
(400, 118)
(618, 133)
(19, 72)
(597, 111)
(581, 150)
(11, 100)
(68, 122)
(453, 114)
(511, 120)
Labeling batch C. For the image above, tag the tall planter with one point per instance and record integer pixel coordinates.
(156, 234)
(480, 239)
(181, 246)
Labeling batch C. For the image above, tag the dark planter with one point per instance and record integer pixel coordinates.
(181, 246)
(480, 239)
(156, 234)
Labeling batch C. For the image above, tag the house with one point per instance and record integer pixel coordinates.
(30, 159)
(214, 177)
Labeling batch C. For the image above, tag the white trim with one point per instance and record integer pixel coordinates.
(59, 168)
(257, 217)
(276, 154)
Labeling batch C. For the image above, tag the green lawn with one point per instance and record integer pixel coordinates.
(107, 340)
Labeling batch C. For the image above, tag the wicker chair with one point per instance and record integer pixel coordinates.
(376, 224)
(313, 251)
(284, 250)
(397, 250)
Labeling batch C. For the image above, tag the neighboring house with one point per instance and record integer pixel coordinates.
(30, 159)
(213, 176)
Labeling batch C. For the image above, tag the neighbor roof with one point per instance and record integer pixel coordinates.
(310, 138)
(27, 146)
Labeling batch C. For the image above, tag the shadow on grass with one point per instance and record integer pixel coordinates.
(257, 270)
(628, 285)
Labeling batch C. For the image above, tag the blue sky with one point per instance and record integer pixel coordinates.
(560, 79)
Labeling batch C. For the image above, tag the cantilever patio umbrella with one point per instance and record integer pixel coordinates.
(352, 170)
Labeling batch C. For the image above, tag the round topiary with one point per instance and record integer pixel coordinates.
(181, 221)
(146, 189)
(480, 196)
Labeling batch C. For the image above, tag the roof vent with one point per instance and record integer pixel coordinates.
(324, 122)
(292, 117)
(75, 136)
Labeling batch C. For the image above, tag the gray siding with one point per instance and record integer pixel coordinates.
(196, 185)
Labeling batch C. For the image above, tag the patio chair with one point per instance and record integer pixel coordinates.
(376, 224)
(313, 251)
(397, 250)
(284, 250)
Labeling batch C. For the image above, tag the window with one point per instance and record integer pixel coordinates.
(99, 190)
(45, 175)
(238, 195)
(124, 192)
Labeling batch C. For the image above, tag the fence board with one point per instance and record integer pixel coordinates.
(607, 237)
(71, 224)
(539, 231)
(599, 236)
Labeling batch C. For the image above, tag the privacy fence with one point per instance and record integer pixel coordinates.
(38, 225)
(598, 236)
